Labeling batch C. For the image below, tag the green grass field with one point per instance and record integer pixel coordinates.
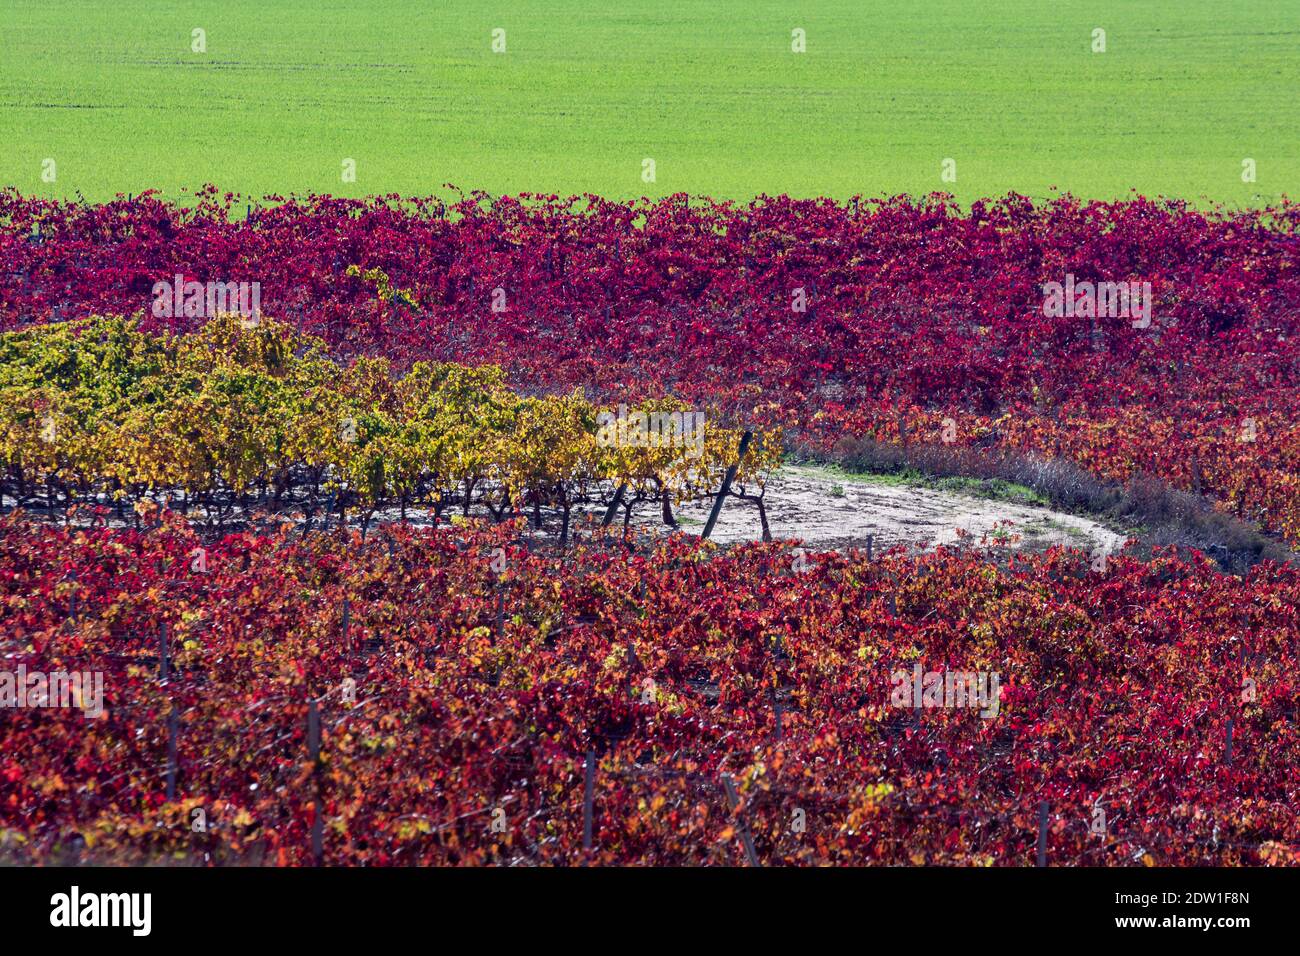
(1009, 89)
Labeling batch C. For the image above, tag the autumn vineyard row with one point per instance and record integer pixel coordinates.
(872, 318)
(94, 412)
(1151, 709)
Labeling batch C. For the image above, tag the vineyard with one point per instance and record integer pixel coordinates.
(630, 696)
(875, 318)
(231, 418)
(328, 562)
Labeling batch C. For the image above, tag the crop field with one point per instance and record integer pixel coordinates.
(583, 93)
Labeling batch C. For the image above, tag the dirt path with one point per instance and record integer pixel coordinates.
(828, 511)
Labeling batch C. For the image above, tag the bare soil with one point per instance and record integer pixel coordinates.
(829, 511)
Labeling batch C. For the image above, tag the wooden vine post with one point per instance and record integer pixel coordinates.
(313, 751)
(588, 793)
(347, 624)
(733, 801)
(1041, 856)
(745, 439)
(164, 659)
(173, 731)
